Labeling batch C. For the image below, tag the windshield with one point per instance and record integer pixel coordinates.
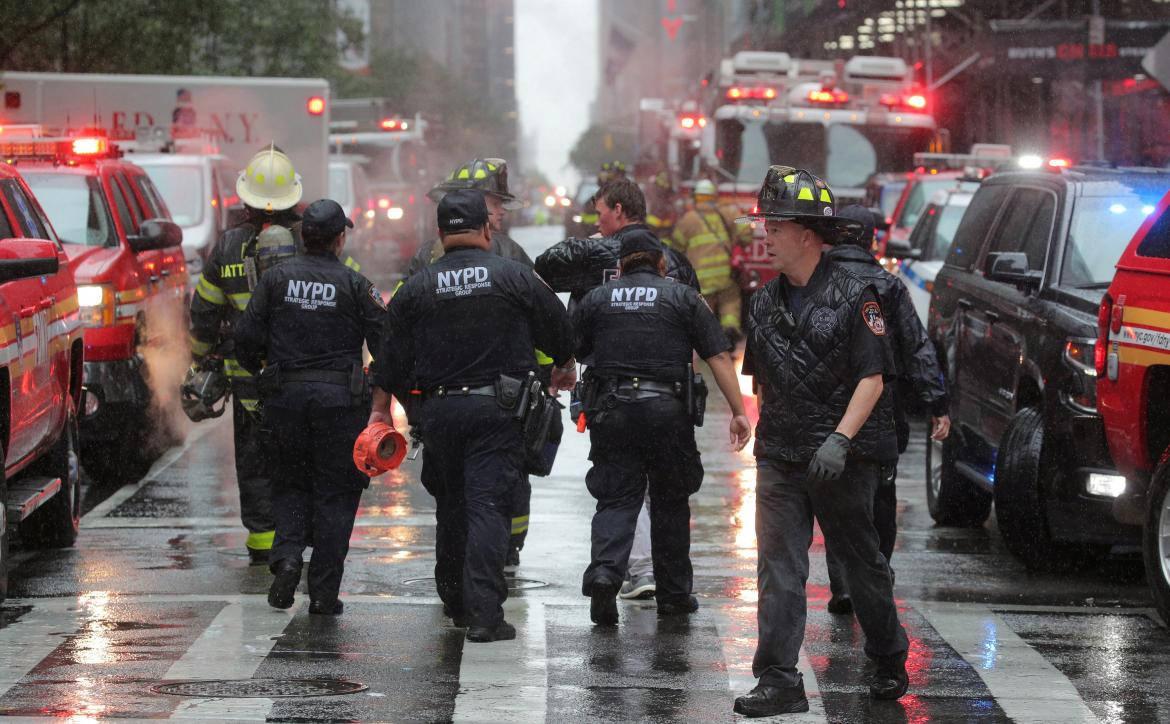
(339, 187)
(75, 206)
(919, 195)
(844, 155)
(944, 230)
(181, 189)
(1101, 228)
(888, 201)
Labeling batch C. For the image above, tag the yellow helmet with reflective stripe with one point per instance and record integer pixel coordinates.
(793, 194)
(269, 182)
(489, 175)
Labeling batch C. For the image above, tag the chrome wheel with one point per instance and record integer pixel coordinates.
(1164, 534)
(934, 464)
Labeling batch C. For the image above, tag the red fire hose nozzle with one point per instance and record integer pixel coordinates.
(378, 448)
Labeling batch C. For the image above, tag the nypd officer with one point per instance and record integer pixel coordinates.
(816, 344)
(306, 322)
(918, 375)
(640, 330)
(463, 329)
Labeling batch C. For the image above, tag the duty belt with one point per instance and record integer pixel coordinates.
(332, 377)
(636, 384)
(460, 391)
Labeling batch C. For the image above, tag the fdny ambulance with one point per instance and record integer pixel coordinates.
(842, 120)
(40, 379)
(125, 254)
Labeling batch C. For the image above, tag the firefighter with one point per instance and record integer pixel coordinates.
(918, 373)
(270, 189)
(816, 345)
(306, 323)
(462, 331)
(640, 331)
(660, 211)
(490, 175)
(706, 235)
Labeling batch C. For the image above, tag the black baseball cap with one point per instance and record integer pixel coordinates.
(324, 219)
(462, 210)
(636, 240)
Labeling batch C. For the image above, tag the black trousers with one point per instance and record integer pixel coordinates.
(885, 522)
(785, 505)
(252, 477)
(472, 463)
(316, 489)
(635, 446)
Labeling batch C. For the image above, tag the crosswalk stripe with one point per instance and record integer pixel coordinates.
(232, 646)
(30, 639)
(506, 680)
(738, 639)
(1024, 684)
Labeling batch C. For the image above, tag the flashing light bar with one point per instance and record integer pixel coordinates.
(741, 93)
(828, 95)
(68, 150)
(89, 146)
(1059, 163)
(914, 101)
(393, 124)
(691, 122)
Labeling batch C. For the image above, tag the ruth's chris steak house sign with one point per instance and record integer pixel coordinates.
(1063, 49)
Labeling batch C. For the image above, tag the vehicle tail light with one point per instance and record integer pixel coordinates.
(90, 146)
(315, 106)
(1104, 313)
(96, 302)
(1118, 312)
(916, 101)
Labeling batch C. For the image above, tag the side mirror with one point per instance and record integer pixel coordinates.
(155, 234)
(25, 258)
(901, 250)
(1011, 267)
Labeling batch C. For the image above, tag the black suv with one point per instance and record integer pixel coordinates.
(1014, 316)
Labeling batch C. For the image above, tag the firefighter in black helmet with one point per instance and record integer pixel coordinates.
(490, 175)
(817, 347)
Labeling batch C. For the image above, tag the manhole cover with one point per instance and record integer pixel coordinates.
(514, 584)
(259, 688)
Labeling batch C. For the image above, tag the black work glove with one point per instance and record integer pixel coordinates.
(829, 460)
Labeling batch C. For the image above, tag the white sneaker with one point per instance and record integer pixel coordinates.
(641, 587)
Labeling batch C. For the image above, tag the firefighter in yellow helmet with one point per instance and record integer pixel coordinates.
(270, 189)
(705, 234)
(660, 205)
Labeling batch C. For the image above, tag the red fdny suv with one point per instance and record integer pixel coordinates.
(125, 253)
(1132, 357)
(40, 379)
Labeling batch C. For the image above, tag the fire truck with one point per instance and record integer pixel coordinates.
(40, 378)
(842, 120)
(124, 251)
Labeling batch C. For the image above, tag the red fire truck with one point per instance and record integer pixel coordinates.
(124, 251)
(40, 378)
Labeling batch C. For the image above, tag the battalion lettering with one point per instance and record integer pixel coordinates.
(231, 271)
(310, 295)
(460, 282)
(632, 298)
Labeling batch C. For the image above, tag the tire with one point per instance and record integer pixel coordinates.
(56, 523)
(1156, 540)
(951, 499)
(3, 529)
(1019, 503)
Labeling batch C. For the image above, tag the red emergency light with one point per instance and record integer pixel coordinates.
(914, 101)
(90, 146)
(691, 122)
(392, 124)
(383, 203)
(762, 93)
(315, 106)
(827, 95)
(1059, 163)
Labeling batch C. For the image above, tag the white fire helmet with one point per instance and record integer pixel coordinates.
(270, 183)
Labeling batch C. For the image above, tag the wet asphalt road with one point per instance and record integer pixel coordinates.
(158, 589)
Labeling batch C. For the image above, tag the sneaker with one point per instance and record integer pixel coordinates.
(320, 608)
(641, 587)
(890, 680)
(513, 563)
(603, 604)
(283, 589)
(503, 631)
(841, 605)
(767, 700)
(678, 607)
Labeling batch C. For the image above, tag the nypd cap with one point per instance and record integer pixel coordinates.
(462, 210)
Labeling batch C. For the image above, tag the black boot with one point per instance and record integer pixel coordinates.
(841, 605)
(890, 681)
(678, 606)
(457, 618)
(284, 585)
(503, 631)
(323, 608)
(765, 700)
(603, 604)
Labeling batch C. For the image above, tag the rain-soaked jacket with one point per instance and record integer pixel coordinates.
(578, 265)
(431, 251)
(918, 369)
(222, 294)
